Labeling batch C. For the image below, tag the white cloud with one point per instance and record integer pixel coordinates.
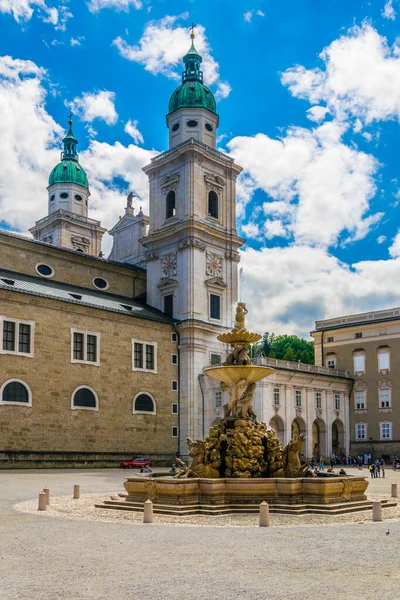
(317, 113)
(287, 289)
(248, 16)
(381, 239)
(77, 41)
(131, 129)
(28, 154)
(162, 47)
(100, 105)
(97, 5)
(275, 228)
(22, 10)
(251, 230)
(260, 13)
(388, 11)
(360, 78)
(320, 186)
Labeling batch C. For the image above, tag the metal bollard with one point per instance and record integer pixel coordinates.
(42, 501)
(47, 492)
(264, 515)
(394, 490)
(377, 511)
(77, 491)
(148, 512)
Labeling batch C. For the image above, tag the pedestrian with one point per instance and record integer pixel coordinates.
(372, 470)
(313, 463)
(378, 468)
(321, 463)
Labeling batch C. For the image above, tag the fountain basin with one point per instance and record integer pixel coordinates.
(231, 374)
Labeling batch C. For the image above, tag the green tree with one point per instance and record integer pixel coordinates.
(284, 347)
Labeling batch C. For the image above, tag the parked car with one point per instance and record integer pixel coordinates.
(136, 463)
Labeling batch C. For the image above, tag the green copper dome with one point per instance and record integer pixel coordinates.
(69, 170)
(192, 93)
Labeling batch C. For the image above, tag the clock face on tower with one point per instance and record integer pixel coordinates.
(214, 265)
(168, 265)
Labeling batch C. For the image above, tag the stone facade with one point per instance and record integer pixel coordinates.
(296, 399)
(49, 423)
(368, 346)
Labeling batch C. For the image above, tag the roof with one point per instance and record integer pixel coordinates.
(69, 171)
(36, 286)
(368, 318)
(193, 94)
(106, 261)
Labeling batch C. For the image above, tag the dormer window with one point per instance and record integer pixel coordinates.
(170, 205)
(213, 205)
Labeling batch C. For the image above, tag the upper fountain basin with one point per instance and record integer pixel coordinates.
(232, 373)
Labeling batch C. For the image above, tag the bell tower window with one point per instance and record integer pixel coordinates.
(170, 205)
(213, 205)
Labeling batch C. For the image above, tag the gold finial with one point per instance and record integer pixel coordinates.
(70, 118)
(192, 34)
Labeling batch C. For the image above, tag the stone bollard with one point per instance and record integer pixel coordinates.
(264, 515)
(42, 501)
(148, 512)
(77, 491)
(394, 490)
(377, 511)
(47, 492)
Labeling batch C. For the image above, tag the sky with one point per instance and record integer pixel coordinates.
(308, 95)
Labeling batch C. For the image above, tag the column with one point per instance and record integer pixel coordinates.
(328, 420)
(289, 411)
(309, 421)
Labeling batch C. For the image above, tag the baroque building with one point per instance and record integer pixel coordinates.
(367, 345)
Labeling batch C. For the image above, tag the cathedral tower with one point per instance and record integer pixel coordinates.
(67, 223)
(192, 245)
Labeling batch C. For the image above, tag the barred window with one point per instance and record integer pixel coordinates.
(215, 307)
(16, 336)
(85, 347)
(144, 403)
(85, 398)
(144, 356)
(15, 392)
(276, 395)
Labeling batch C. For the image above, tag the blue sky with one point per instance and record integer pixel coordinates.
(309, 101)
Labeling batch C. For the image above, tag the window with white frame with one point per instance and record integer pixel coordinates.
(318, 400)
(174, 431)
(360, 400)
(383, 359)
(385, 398)
(361, 431)
(298, 398)
(144, 403)
(16, 336)
(276, 396)
(218, 399)
(337, 401)
(174, 359)
(359, 362)
(144, 356)
(15, 391)
(84, 398)
(85, 347)
(174, 337)
(386, 431)
(174, 408)
(331, 362)
(174, 385)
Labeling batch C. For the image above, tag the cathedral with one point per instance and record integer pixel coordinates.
(102, 358)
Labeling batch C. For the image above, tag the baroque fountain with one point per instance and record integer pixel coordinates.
(241, 462)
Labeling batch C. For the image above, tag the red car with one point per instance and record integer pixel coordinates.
(136, 463)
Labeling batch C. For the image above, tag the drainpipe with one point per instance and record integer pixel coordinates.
(179, 387)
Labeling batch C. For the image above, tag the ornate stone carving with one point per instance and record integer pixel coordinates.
(276, 407)
(360, 386)
(153, 255)
(299, 410)
(214, 182)
(170, 181)
(235, 256)
(384, 384)
(318, 412)
(80, 243)
(192, 243)
(169, 265)
(214, 264)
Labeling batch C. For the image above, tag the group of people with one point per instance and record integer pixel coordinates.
(377, 468)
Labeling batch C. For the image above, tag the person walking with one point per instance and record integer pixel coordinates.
(321, 463)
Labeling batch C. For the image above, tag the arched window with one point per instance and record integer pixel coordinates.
(144, 403)
(170, 205)
(213, 204)
(85, 398)
(15, 391)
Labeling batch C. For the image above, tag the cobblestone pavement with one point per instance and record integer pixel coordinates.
(44, 556)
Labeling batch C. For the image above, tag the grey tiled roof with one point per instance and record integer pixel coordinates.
(36, 286)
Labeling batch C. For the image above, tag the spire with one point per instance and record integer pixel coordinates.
(192, 62)
(70, 142)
